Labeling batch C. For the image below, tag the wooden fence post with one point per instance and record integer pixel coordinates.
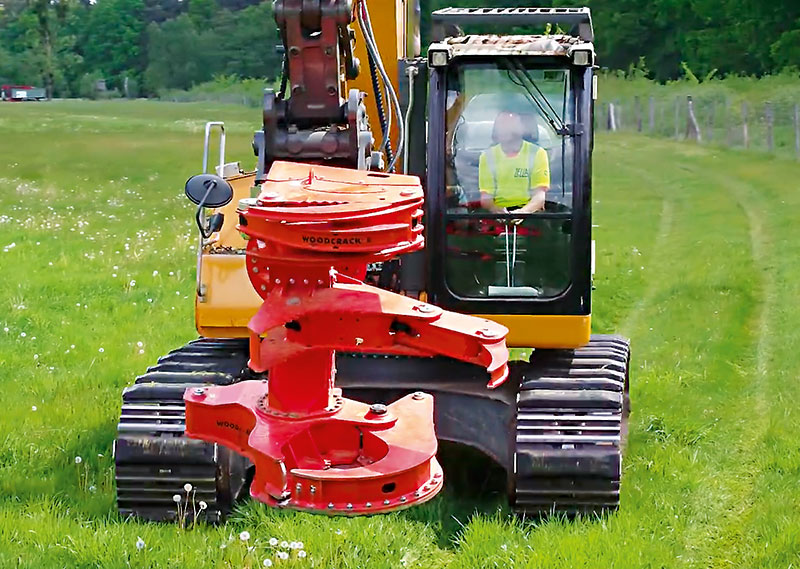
(711, 119)
(677, 113)
(692, 128)
(745, 133)
(612, 118)
(770, 118)
(797, 131)
(652, 122)
(637, 110)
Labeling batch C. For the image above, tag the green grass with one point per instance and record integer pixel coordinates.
(697, 252)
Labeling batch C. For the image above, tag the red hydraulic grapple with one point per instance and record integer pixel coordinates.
(312, 231)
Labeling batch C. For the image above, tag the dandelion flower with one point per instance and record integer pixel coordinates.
(176, 498)
(101, 350)
(301, 554)
(244, 536)
(92, 488)
(268, 563)
(78, 460)
(22, 334)
(187, 487)
(155, 273)
(33, 407)
(202, 505)
(273, 541)
(284, 544)
(132, 283)
(283, 555)
(139, 543)
(299, 545)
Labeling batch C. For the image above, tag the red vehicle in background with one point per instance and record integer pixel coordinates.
(22, 93)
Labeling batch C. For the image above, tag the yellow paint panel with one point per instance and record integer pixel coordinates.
(544, 330)
(229, 236)
(230, 299)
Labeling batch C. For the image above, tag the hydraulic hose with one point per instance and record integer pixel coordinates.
(369, 38)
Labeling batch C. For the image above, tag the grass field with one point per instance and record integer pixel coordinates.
(697, 263)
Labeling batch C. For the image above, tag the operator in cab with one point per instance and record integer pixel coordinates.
(514, 173)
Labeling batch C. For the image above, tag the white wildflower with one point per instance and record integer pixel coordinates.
(273, 541)
(202, 505)
(101, 350)
(301, 554)
(299, 545)
(78, 460)
(283, 555)
(176, 498)
(139, 543)
(268, 563)
(284, 545)
(155, 273)
(22, 334)
(244, 536)
(132, 283)
(187, 487)
(92, 488)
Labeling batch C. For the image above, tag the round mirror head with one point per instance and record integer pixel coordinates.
(216, 191)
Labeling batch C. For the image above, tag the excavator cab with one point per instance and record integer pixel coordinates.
(526, 270)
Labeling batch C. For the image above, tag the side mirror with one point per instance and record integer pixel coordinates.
(208, 190)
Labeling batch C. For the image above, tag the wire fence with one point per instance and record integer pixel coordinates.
(772, 127)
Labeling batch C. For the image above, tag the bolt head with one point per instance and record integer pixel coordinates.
(378, 409)
(199, 391)
(368, 504)
(386, 502)
(418, 395)
(349, 506)
(313, 489)
(330, 505)
(402, 499)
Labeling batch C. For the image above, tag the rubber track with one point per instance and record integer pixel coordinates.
(571, 427)
(154, 460)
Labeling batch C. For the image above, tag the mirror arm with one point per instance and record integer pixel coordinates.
(204, 231)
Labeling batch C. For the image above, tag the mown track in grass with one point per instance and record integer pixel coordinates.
(697, 252)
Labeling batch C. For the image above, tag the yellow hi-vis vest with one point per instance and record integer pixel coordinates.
(510, 179)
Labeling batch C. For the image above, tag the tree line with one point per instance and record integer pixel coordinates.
(142, 47)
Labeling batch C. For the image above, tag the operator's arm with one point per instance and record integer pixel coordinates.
(486, 183)
(540, 183)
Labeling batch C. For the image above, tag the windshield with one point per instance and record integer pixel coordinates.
(509, 179)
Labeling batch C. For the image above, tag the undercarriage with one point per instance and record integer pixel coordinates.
(557, 426)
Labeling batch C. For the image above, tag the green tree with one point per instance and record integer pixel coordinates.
(178, 56)
(113, 39)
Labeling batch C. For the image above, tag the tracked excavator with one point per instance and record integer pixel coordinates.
(356, 300)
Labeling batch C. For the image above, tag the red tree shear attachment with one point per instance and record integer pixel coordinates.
(312, 231)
